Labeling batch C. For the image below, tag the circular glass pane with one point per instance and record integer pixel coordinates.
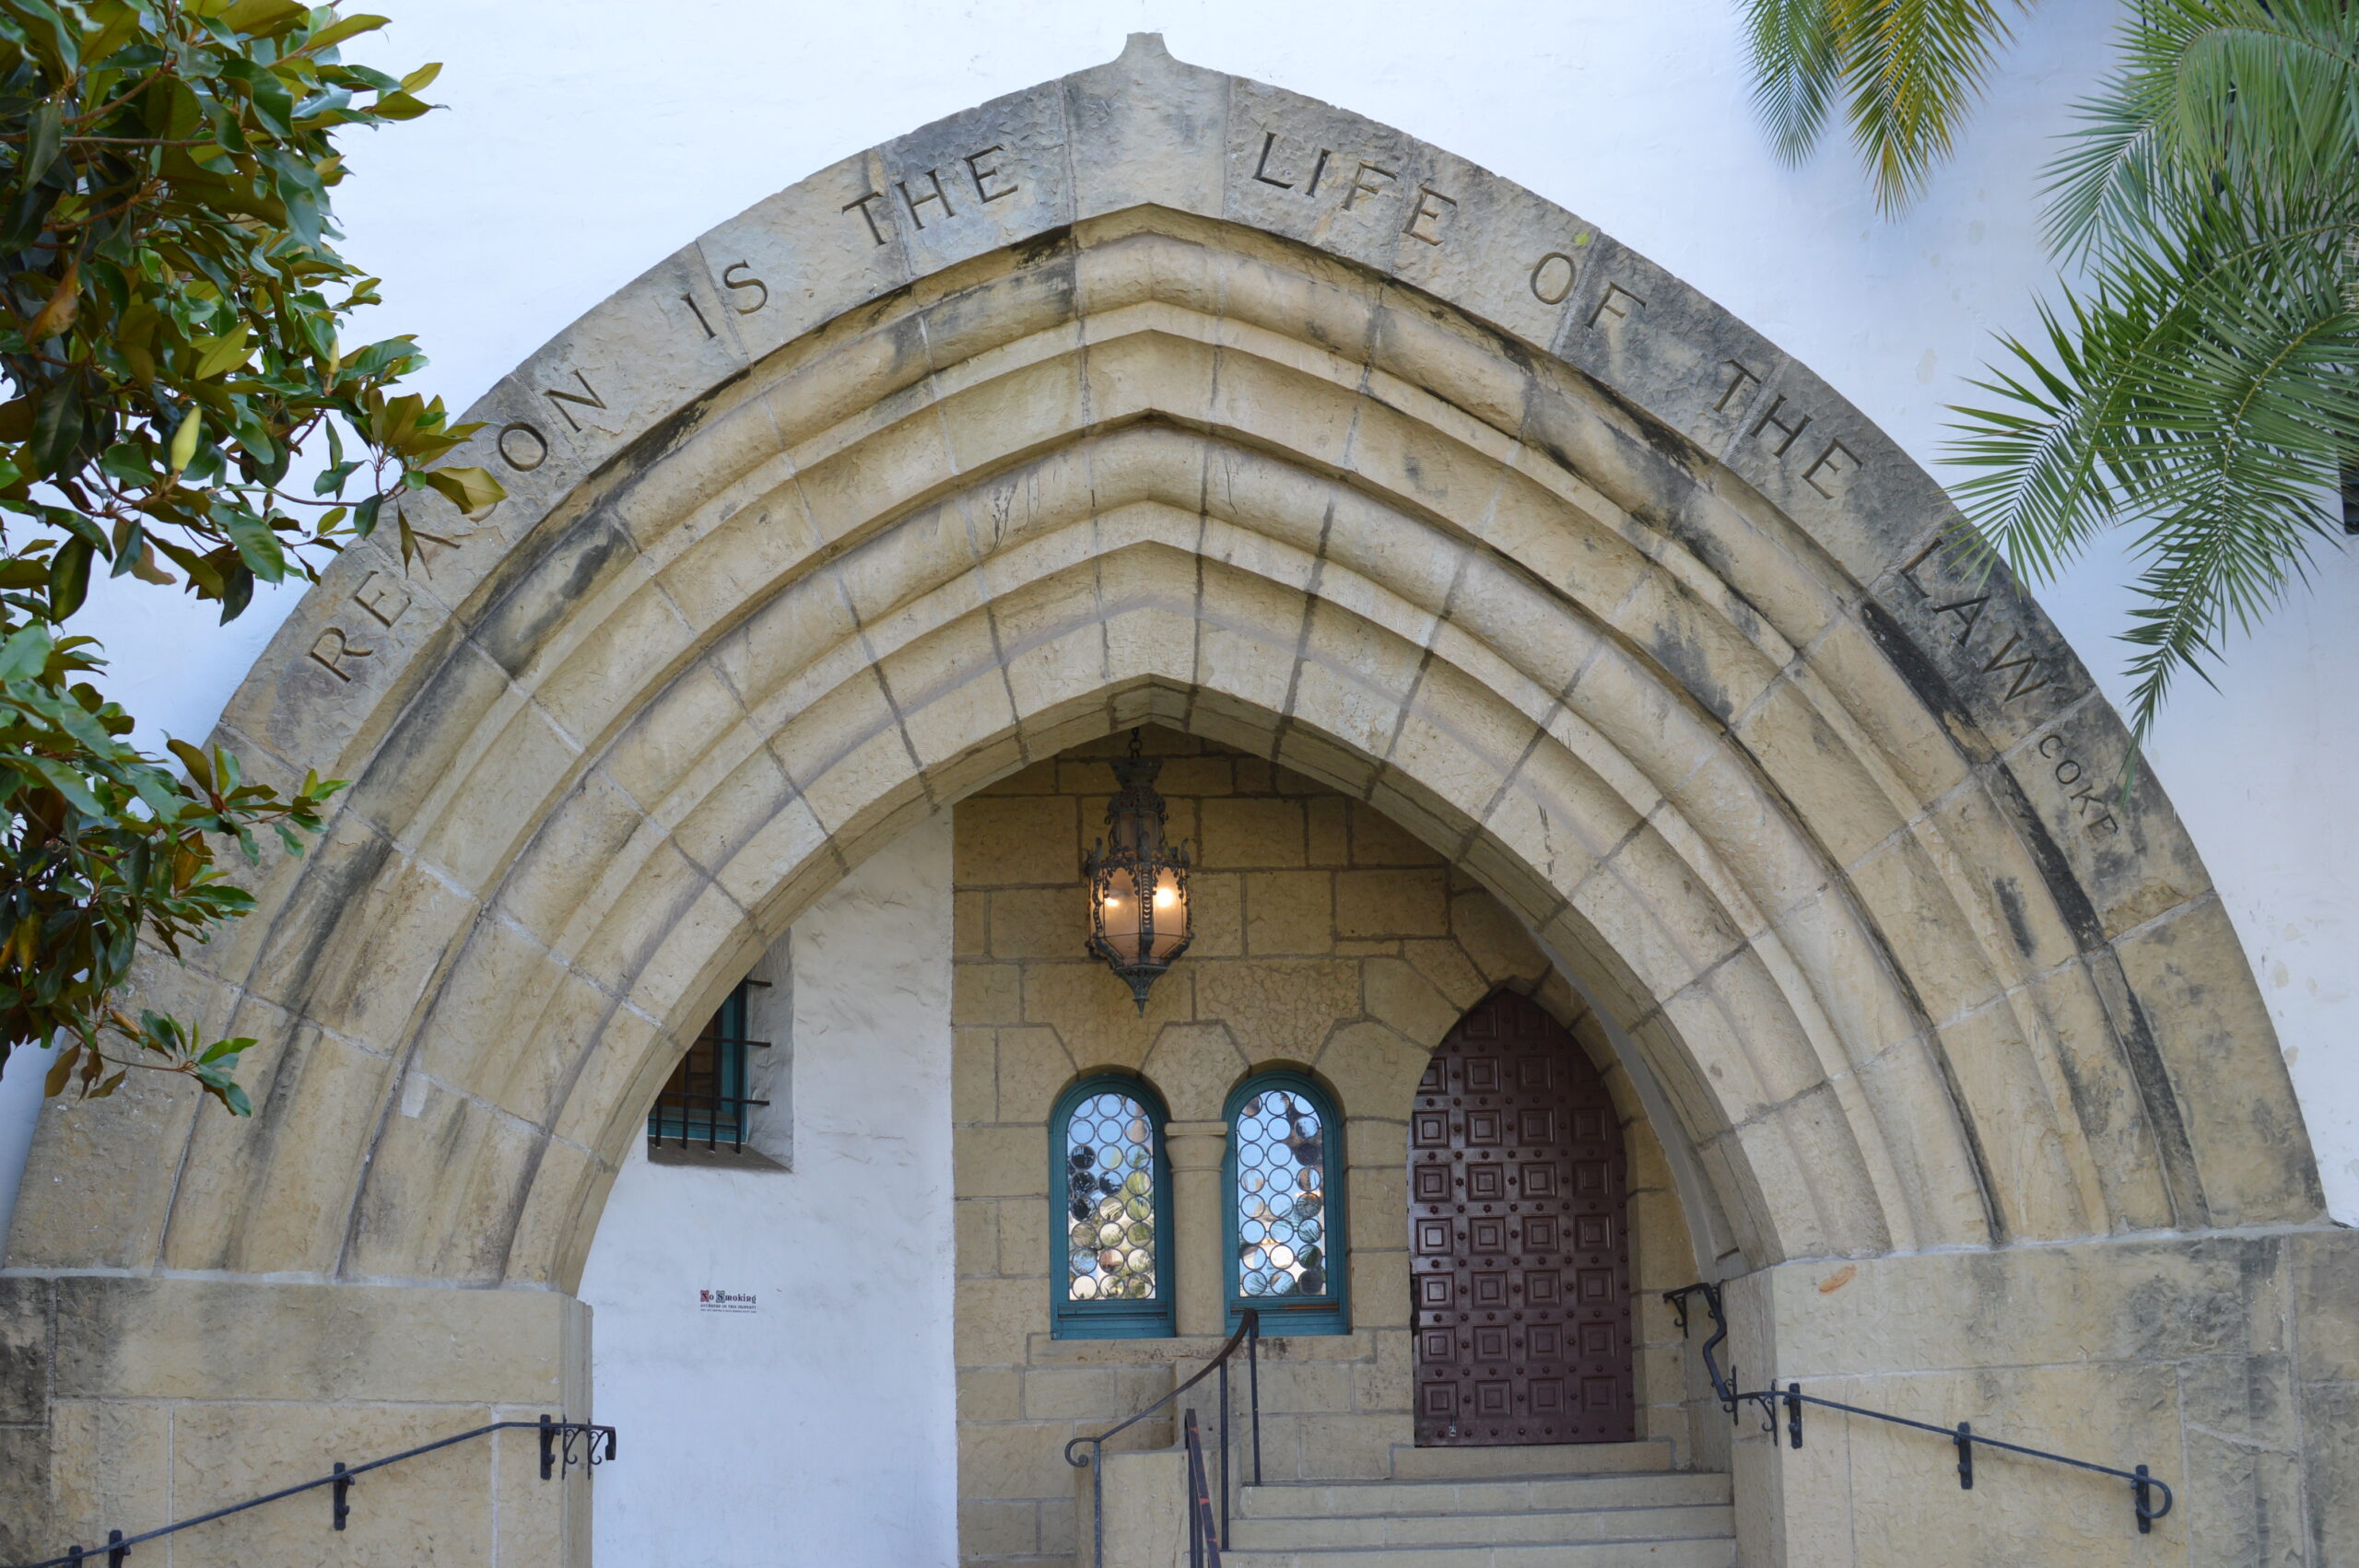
(1110, 1197)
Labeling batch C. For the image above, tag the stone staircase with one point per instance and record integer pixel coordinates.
(1588, 1505)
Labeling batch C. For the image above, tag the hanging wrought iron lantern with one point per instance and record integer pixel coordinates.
(1138, 882)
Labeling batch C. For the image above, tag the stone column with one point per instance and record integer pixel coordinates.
(1194, 1149)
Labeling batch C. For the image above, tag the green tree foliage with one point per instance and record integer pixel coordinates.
(171, 305)
(2198, 385)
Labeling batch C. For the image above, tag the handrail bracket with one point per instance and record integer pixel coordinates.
(1963, 1437)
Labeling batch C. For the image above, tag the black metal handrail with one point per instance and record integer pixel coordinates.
(1203, 1534)
(2142, 1485)
(557, 1444)
(1248, 1336)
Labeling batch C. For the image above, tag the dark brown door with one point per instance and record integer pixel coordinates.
(1518, 1245)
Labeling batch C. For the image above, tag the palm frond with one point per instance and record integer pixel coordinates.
(1911, 69)
(2115, 167)
(2251, 97)
(2267, 93)
(1794, 68)
(1906, 71)
(2202, 388)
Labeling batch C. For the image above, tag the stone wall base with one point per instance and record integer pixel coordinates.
(130, 1402)
(2228, 1363)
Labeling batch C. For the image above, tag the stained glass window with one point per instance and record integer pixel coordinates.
(1107, 1137)
(1285, 1220)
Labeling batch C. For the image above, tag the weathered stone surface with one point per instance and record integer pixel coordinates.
(24, 1351)
(1574, 583)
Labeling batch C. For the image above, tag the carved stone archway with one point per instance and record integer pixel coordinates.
(1156, 393)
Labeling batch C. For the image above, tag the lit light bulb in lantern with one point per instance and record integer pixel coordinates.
(1138, 882)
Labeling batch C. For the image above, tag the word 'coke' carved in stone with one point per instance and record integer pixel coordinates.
(2068, 771)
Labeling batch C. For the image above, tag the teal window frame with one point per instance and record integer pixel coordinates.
(1153, 1319)
(1331, 1314)
(685, 1123)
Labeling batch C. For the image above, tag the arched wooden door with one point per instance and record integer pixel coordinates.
(1519, 1245)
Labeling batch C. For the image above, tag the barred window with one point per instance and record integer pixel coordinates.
(705, 1104)
(1284, 1169)
(1111, 1190)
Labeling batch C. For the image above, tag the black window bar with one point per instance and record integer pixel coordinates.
(1791, 1400)
(705, 1100)
(562, 1447)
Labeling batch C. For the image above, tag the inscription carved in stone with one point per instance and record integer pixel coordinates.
(586, 398)
(522, 447)
(333, 646)
(1428, 212)
(2021, 673)
(1360, 185)
(2092, 816)
(737, 284)
(1617, 302)
(730, 281)
(1552, 278)
(382, 596)
(2017, 670)
(1835, 460)
(923, 197)
(1268, 176)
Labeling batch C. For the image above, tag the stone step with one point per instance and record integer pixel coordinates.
(1712, 1551)
(1548, 1459)
(1575, 1527)
(1639, 1489)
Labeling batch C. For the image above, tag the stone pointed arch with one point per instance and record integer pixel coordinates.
(1156, 395)
(1154, 392)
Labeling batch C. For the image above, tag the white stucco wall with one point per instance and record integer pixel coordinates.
(756, 1437)
(585, 138)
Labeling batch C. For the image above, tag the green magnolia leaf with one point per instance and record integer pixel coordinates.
(25, 653)
(70, 785)
(69, 577)
(221, 1049)
(216, 354)
(335, 33)
(57, 427)
(44, 138)
(167, 238)
(469, 489)
(200, 766)
(265, 18)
